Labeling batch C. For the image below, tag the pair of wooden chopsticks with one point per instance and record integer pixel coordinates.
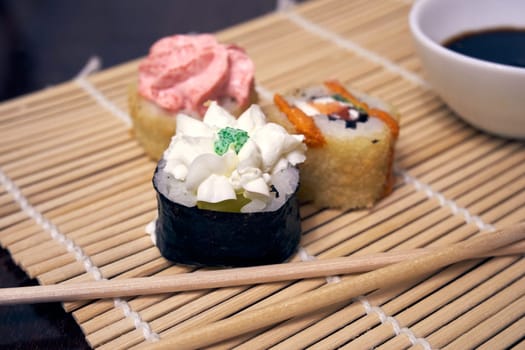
(226, 277)
(388, 269)
(334, 294)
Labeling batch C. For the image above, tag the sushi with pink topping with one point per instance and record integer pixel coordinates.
(181, 74)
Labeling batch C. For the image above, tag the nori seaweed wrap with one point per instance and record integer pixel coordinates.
(226, 191)
(193, 236)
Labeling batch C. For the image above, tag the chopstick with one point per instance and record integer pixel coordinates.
(334, 294)
(233, 276)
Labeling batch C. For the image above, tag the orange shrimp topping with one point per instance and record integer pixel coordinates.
(387, 119)
(338, 88)
(331, 108)
(303, 123)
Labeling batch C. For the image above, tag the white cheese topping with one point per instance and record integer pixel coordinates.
(247, 168)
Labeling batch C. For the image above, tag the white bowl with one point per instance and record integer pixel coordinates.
(488, 95)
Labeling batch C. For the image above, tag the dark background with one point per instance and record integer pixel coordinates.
(46, 42)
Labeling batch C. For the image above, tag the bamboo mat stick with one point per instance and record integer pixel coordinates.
(78, 173)
(413, 126)
(393, 302)
(380, 334)
(26, 112)
(456, 298)
(148, 267)
(301, 332)
(62, 215)
(462, 324)
(414, 93)
(456, 157)
(418, 109)
(434, 144)
(342, 240)
(59, 260)
(357, 321)
(111, 153)
(28, 134)
(337, 293)
(506, 338)
(426, 131)
(88, 121)
(402, 305)
(411, 63)
(489, 327)
(238, 276)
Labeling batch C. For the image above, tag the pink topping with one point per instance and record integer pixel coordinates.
(182, 72)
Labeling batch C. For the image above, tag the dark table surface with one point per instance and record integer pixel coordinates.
(37, 326)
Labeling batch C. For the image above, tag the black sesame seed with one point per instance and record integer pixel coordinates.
(363, 117)
(273, 189)
(350, 124)
(375, 141)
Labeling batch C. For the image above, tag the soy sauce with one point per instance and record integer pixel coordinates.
(498, 45)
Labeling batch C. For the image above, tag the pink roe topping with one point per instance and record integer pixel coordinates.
(182, 72)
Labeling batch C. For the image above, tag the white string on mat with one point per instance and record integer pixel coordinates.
(76, 250)
(93, 65)
(444, 202)
(398, 330)
(305, 256)
(407, 2)
(286, 7)
(264, 92)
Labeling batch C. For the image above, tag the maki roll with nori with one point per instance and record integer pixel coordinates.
(226, 191)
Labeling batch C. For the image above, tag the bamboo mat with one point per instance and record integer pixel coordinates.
(76, 196)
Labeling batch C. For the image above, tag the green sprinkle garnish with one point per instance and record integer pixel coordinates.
(230, 137)
(339, 98)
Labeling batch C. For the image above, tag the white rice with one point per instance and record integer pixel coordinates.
(336, 128)
(285, 182)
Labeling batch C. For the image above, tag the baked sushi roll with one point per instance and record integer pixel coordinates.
(180, 75)
(350, 145)
(226, 191)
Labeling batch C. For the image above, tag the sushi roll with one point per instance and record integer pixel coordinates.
(227, 190)
(180, 75)
(350, 140)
